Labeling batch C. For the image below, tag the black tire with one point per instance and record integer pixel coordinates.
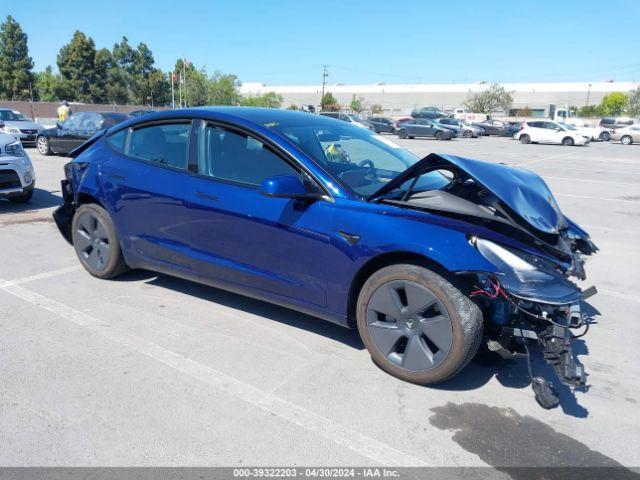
(411, 137)
(42, 144)
(451, 312)
(24, 198)
(605, 136)
(402, 134)
(567, 142)
(626, 140)
(439, 136)
(525, 139)
(96, 242)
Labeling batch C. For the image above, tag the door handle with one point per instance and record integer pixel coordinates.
(207, 196)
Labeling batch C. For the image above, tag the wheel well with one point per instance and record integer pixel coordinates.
(567, 138)
(84, 198)
(381, 261)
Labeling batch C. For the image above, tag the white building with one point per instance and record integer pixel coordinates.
(399, 99)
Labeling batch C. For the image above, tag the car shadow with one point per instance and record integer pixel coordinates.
(236, 301)
(41, 199)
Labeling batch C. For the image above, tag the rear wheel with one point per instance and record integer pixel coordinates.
(525, 139)
(439, 136)
(402, 134)
(42, 144)
(626, 140)
(416, 325)
(567, 142)
(605, 136)
(96, 242)
(467, 134)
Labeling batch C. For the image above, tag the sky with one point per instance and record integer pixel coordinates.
(286, 42)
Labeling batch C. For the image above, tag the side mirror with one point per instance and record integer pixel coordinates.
(285, 186)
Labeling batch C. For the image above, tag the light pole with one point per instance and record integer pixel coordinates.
(325, 74)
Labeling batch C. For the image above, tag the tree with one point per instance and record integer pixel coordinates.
(329, 103)
(357, 104)
(589, 111)
(490, 100)
(293, 106)
(524, 112)
(376, 109)
(613, 104)
(47, 86)
(269, 99)
(223, 89)
(76, 63)
(634, 102)
(193, 83)
(15, 62)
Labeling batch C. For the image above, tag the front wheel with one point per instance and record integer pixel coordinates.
(416, 325)
(626, 140)
(402, 134)
(42, 144)
(467, 134)
(96, 242)
(567, 142)
(605, 136)
(525, 139)
(439, 136)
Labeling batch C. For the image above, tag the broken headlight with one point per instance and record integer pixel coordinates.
(527, 276)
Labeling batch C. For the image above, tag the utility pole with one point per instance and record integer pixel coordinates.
(173, 92)
(588, 94)
(325, 74)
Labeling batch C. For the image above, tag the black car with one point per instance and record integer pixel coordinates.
(382, 124)
(422, 127)
(139, 113)
(493, 127)
(75, 130)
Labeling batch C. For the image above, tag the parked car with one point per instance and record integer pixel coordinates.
(513, 128)
(462, 129)
(428, 112)
(349, 118)
(493, 127)
(382, 124)
(627, 135)
(138, 113)
(75, 130)
(19, 126)
(595, 133)
(545, 131)
(17, 176)
(616, 122)
(422, 127)
(426, 258)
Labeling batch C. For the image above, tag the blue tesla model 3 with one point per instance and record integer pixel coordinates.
(428, 258)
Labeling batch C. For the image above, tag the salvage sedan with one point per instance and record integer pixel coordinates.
(427, 258)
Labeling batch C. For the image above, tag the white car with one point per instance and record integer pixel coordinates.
(545, 131)
(17, 177)
(19, 126)
(594, 132)
(627, 135)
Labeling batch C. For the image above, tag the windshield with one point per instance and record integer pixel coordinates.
(12, 116)
(361, 159)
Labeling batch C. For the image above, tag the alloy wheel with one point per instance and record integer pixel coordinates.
(92, 241)
(409, 325)
(43, 145)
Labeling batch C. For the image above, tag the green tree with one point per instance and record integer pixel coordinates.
(47, 85)
(223, 89)
(15, 62)
(490, 100)
(76, 63)
(376, 109)
(634, 102)
(613, 104)
(269, 100)
(329, 103)
(357, 104)
(293, 106)
(192, 83)
(589, 111)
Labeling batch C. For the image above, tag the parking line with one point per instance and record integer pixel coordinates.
(358, 442)
(40, 276)
(603, 171)
(636, 184)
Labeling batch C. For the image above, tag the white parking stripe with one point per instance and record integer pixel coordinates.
(41, 276)
(359, 443)
(636, 184)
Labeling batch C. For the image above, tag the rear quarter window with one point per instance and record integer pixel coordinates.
(118, 140)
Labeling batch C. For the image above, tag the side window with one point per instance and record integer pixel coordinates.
(72, 122)
(551, 126)
(228, 155)
(164, 144)
(90, 122)
(118, 140)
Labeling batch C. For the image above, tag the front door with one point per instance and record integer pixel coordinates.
(246, 240)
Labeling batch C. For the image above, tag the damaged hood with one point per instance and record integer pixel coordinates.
(524, 192)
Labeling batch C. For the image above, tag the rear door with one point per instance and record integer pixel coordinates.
(65, 139)
(144, 180)
(245, 240)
